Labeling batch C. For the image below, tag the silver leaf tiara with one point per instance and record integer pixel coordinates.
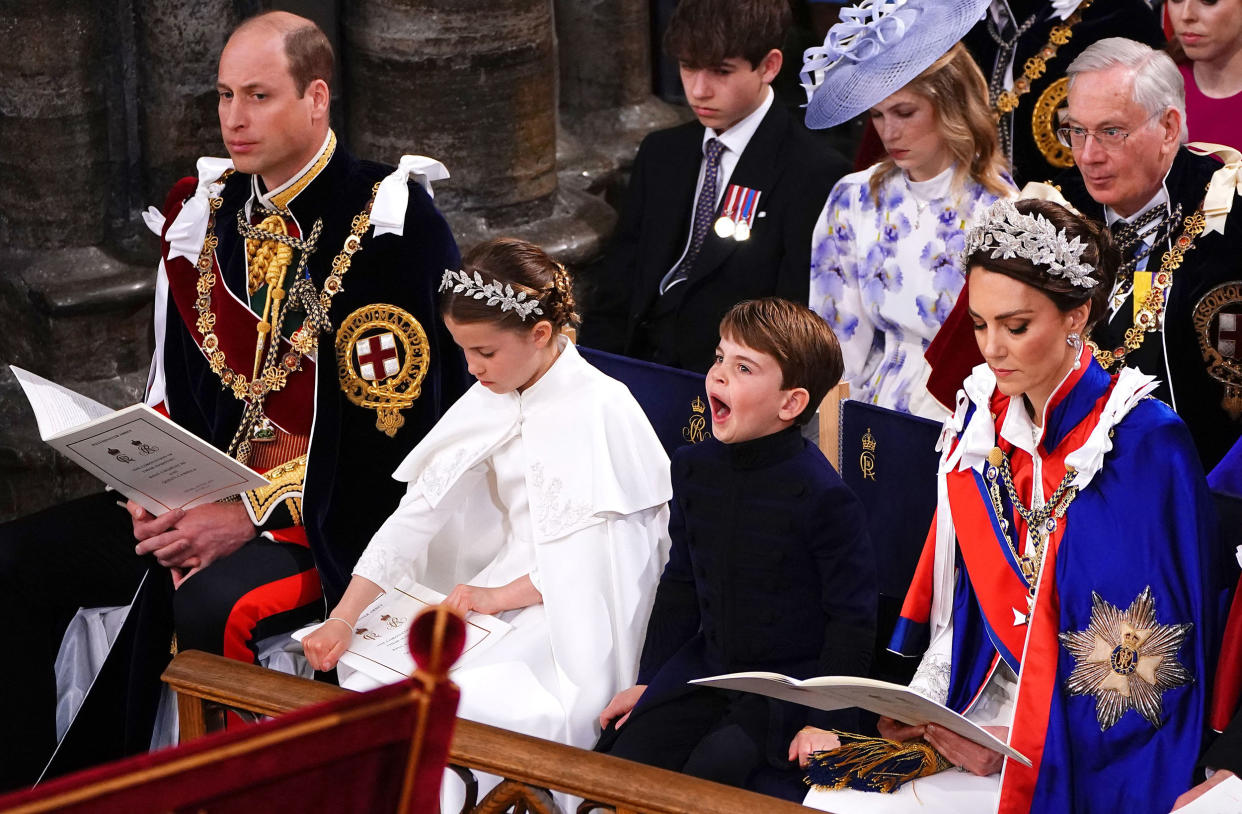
(495, 293)
(1008, 233)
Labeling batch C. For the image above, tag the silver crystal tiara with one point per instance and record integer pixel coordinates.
(1008, 233)
(495, 292)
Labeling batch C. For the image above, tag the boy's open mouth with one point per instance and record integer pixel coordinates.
(720, 410)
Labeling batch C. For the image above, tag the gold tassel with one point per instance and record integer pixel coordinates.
(873, 764)
(268, 258)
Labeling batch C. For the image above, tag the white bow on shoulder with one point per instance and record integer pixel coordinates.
(393, 196)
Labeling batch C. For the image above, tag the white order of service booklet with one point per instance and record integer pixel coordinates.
(841, 692)
(380, 646)
(1223, 798)
(137, 451)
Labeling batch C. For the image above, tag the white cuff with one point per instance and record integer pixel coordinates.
(154, 219)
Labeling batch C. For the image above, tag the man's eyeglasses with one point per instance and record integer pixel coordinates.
(1110, 138)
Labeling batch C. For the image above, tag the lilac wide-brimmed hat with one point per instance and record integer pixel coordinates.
(876, 49)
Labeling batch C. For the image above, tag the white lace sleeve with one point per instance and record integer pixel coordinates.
(931, 679)
(399, 548)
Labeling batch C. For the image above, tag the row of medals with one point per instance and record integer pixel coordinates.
(727, 227)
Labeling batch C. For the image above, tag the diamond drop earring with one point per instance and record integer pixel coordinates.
(1075, 342)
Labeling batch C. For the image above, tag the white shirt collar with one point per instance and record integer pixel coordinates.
(1018, 428)
(932, 189)
(738, 136)
(563, 367)
(1161, 198)
(265, 198)
(1001, 12)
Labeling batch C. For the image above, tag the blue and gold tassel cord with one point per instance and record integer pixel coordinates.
(872, 764)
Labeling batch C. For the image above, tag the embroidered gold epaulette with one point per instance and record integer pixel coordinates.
(285, 484)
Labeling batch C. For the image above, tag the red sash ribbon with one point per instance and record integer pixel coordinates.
(236, 328)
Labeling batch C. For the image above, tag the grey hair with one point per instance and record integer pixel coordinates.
(1158, 83)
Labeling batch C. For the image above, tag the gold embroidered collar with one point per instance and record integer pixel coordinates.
(283, 195)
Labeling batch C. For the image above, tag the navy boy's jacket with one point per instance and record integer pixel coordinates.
(770, 569)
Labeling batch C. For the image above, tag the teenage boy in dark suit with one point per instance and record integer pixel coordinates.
(721, 209)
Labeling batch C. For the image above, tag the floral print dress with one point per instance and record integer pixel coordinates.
(885, 277)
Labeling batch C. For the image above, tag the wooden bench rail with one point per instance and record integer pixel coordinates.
(206, 684)
(202, 680)
(830, 423)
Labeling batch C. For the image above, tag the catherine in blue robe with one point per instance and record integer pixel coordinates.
(1112, 646)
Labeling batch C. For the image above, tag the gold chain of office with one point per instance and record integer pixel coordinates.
(274, 373)
(1040, 522)
(1036, 66)
(1148, 317)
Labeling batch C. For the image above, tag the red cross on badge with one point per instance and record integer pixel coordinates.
(1229, 336)
(377, 357)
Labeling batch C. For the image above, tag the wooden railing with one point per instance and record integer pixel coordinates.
(207, 685)
(830, 423)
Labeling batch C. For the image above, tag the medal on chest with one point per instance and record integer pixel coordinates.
(738, 213)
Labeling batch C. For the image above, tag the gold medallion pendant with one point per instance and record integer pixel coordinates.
(382, 356)
(1218, 324)
(1044, 124)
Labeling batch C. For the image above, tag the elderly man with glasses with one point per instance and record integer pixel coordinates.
(1172, 313)
(1176, 311)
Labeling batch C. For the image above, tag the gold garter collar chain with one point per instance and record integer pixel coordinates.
(1148, 317)
(1036, 66)
(274, 373)
(1005, 102)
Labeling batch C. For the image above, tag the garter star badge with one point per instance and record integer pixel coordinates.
(382, 356)
(1126, 659)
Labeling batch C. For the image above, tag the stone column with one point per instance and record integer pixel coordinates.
(53, 119)
(606, 101)
(473, 85)
(72, 309)
(178, 44)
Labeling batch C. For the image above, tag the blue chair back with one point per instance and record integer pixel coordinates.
(674, 400)
(889, 460)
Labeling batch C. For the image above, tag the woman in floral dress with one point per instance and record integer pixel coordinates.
(884, 270)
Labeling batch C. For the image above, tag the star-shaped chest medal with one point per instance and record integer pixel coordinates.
(1126, 660)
